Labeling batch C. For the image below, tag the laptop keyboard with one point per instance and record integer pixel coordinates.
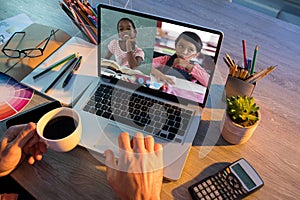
(149, 115)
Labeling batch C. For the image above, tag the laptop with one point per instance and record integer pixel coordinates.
(121, 99)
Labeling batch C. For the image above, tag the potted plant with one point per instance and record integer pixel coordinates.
(242, 118)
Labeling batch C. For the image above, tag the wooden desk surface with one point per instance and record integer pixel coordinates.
(273, 150)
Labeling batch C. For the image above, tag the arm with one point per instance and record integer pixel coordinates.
(200, 74)
(138, 174)
(183, 63)
(161, 77)
(110, 46)
(108, 55)
(159, 62)
(135, 57)
(134, 61)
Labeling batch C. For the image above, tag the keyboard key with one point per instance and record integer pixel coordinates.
(149, 129)
(106, 115)
(171, 136)
(173, 130)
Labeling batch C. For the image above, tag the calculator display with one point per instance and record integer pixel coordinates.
(243, 176)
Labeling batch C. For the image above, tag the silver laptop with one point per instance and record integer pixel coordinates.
(137, 100)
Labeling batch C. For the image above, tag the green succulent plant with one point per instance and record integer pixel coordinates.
(242, 110)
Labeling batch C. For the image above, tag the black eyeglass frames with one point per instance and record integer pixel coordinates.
(29, 52)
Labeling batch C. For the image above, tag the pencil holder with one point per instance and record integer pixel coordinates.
(235, 86)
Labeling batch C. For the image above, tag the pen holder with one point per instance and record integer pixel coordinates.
(235, 86)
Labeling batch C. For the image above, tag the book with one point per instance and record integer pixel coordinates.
(112, 65)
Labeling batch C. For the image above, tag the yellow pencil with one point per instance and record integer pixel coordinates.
(229, 59)
(255, 75)
(269, 70)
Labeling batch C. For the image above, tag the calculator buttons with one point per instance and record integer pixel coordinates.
(224, 185)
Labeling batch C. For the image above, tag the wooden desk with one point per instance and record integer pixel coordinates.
(273, 150)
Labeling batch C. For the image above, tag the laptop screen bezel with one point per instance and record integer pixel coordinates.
(147, 90)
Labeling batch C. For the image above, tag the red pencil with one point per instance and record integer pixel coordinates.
(245, 54)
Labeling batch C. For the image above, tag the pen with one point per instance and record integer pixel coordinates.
(69, 76)
(244, 53)
(54, 65)
(67, 66)
(254, 59)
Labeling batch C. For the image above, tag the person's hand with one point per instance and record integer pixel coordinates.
(138, 174)
(16, 140)
(130, 43)
(160, 77)
(183, 63)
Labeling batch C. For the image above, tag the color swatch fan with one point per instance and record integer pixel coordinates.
(13, 96)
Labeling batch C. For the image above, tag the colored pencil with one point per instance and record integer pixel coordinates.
(87, 28)
(54, 65)
(67, 66)
(244, 53)
(254, 59)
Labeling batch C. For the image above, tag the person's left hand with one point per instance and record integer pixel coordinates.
(18, 139)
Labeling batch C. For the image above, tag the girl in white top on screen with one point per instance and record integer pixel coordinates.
(125, 50)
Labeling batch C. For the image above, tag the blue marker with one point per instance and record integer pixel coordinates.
(248, 64)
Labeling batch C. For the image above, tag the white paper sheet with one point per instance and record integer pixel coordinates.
(13, 24)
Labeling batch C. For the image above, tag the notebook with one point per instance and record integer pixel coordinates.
(82, 78)
(138, 101)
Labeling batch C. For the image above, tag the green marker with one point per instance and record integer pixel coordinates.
(254, 59)
(55, 65)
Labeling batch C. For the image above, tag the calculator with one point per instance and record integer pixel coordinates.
(235, 181)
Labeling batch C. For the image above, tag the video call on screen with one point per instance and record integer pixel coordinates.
(157, 39)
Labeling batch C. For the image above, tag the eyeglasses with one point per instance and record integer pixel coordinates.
(30, 52)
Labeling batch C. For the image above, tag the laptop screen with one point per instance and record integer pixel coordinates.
(168, 58)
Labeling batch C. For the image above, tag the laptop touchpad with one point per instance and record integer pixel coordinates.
(109, 138)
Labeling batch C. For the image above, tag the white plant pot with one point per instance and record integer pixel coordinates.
(235, 133)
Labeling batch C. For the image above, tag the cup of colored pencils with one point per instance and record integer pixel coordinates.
(235, 83)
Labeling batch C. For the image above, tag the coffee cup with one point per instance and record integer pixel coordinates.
(60, 129)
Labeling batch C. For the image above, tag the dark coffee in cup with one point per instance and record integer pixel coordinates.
(59, 127)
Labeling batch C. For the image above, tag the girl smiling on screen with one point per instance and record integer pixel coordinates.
(125, 50)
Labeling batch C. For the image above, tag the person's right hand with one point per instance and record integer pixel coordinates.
(138, 174)
(16, 140)
(129, 43)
